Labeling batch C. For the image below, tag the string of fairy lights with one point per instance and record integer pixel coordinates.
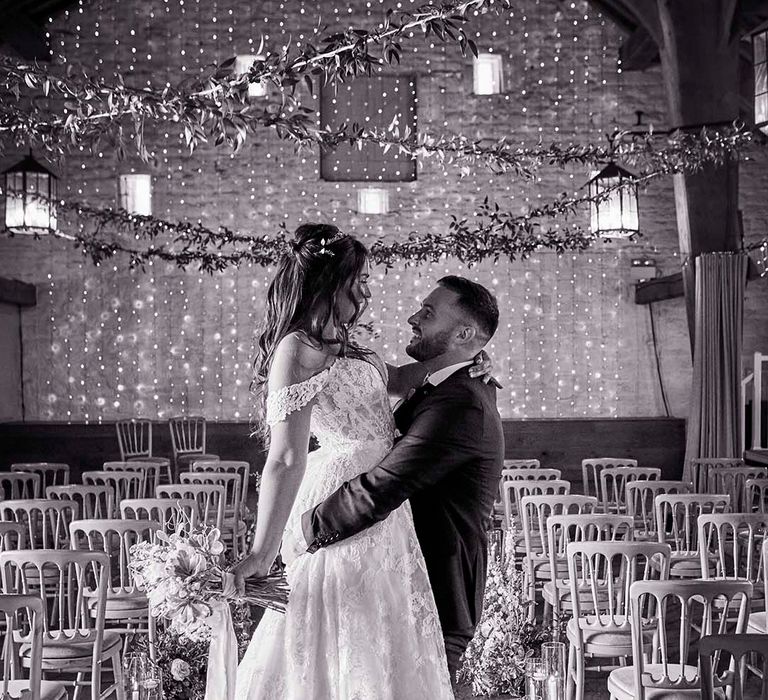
(164, 342)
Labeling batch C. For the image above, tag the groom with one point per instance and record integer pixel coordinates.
(448, 461)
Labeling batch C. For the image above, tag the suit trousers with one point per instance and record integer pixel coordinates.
(455, 644)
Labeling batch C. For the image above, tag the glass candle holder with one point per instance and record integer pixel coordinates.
(535, 679)
(553, 657)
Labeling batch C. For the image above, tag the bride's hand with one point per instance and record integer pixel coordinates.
(251, 566)
(482, 368)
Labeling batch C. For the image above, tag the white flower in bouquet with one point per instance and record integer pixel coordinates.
(180, 669)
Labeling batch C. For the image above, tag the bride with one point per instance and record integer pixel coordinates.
(361, 622)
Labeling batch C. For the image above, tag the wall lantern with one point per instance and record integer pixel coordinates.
(373, 200)
(760, 67)
(488, 74)
(135, 193)
(30, 198)
(243, 65)
(615, 215)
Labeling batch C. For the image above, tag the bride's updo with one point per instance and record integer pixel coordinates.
(312, 279)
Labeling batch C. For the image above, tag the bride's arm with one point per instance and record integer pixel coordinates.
(286, 461)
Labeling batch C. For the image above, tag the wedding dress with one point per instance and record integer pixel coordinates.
(361, 622)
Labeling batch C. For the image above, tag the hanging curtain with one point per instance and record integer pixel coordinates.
(713, 422)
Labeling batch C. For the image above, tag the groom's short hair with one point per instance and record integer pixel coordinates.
(475, 301)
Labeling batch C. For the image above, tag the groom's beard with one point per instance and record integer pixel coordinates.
(428, 347)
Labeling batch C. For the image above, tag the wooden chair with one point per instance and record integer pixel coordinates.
(697, 471)
(733, 481)
(74, 640)
(46, 522)
(732, 679)
(699, 605)
(134, 438)
(563, 530)
(127, 608)
(169, 513)
(639, 499)
(17, 486)
(234, 529)
(535, 511)
(677, 525)
(51, 473)
(26, 612)
(731, 546)
(757, 495)
(149, 471)
(93, 501)
(538, 484)
(600, 576)
(591, 468)
(613, 483)
(124, 484)
(230, 466)
(209, 499)
(758, 620)
(510, 471)
(188, 441)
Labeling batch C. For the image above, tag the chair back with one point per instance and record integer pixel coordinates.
(149, 471)
(591, 468)
(601, 574)
(535, 511)
(522, 464)
(757, 495)
(697, 471)
(187, 435)
(613, 484)
(731, 545)
(134, 438)
(640, 497)
(732, 678)
(209, 499)
(114, 537)
(733, 481)
(51, 473)
(124, 484)
(23, 615)
(46, 522)
(677, 517)
(17, 486)
(514, 490)
(230, 466)
(12, 536)
(170, 513)
(93, 501)
(689, 609)
(73, 587)
(229, 480)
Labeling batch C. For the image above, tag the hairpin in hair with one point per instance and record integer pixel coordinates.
(325, 242)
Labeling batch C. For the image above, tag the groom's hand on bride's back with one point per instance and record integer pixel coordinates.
(482, 369)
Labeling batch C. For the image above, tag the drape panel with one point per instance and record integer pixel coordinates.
(713, 422)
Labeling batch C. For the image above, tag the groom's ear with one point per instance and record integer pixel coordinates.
(467, 334)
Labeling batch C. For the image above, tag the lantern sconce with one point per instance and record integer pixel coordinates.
(373, 200)
(243, 65)
(30, 191)
(488, 74)
(613, 215)
(135, 193)
(760, 68)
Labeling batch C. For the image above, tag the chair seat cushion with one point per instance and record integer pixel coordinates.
(68, 648)
(758, 623)
(160, 461)
(609, 640)
(49, 690)
(621, 683)
(186, 460)
(562, 588)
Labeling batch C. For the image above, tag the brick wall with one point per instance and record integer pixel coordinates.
(106, 342)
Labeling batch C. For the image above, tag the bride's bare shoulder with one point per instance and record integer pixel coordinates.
(296, 359)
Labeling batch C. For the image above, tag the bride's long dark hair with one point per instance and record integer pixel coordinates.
(305, 294)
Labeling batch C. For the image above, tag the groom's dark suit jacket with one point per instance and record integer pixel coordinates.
(448, 463)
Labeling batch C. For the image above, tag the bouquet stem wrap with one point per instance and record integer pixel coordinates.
(222, 656)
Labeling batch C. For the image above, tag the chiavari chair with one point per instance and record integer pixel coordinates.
(683, 607)
(733, 481)
(697, 471)
(719, 679)
(17, 486)
(124, 484)
(640, 497)
(51, 473)
(170, 513)
(93, 501)
(591, 468)
(209, 500)
(46, 522)
(188, 439)
(232, 466)
(613, 483)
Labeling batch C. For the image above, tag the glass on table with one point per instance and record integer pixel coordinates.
(535, 679)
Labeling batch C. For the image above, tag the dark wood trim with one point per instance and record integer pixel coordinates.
(757, 457)
(19, 293)
(659, 289)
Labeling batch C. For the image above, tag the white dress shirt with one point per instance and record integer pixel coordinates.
(438, 376)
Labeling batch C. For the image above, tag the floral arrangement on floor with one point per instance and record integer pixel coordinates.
(494, 661)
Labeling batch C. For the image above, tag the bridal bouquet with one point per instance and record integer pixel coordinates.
(183, 575)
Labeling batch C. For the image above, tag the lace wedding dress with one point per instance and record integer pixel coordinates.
(361, 622)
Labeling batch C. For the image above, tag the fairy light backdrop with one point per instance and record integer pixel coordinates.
(106, 342)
